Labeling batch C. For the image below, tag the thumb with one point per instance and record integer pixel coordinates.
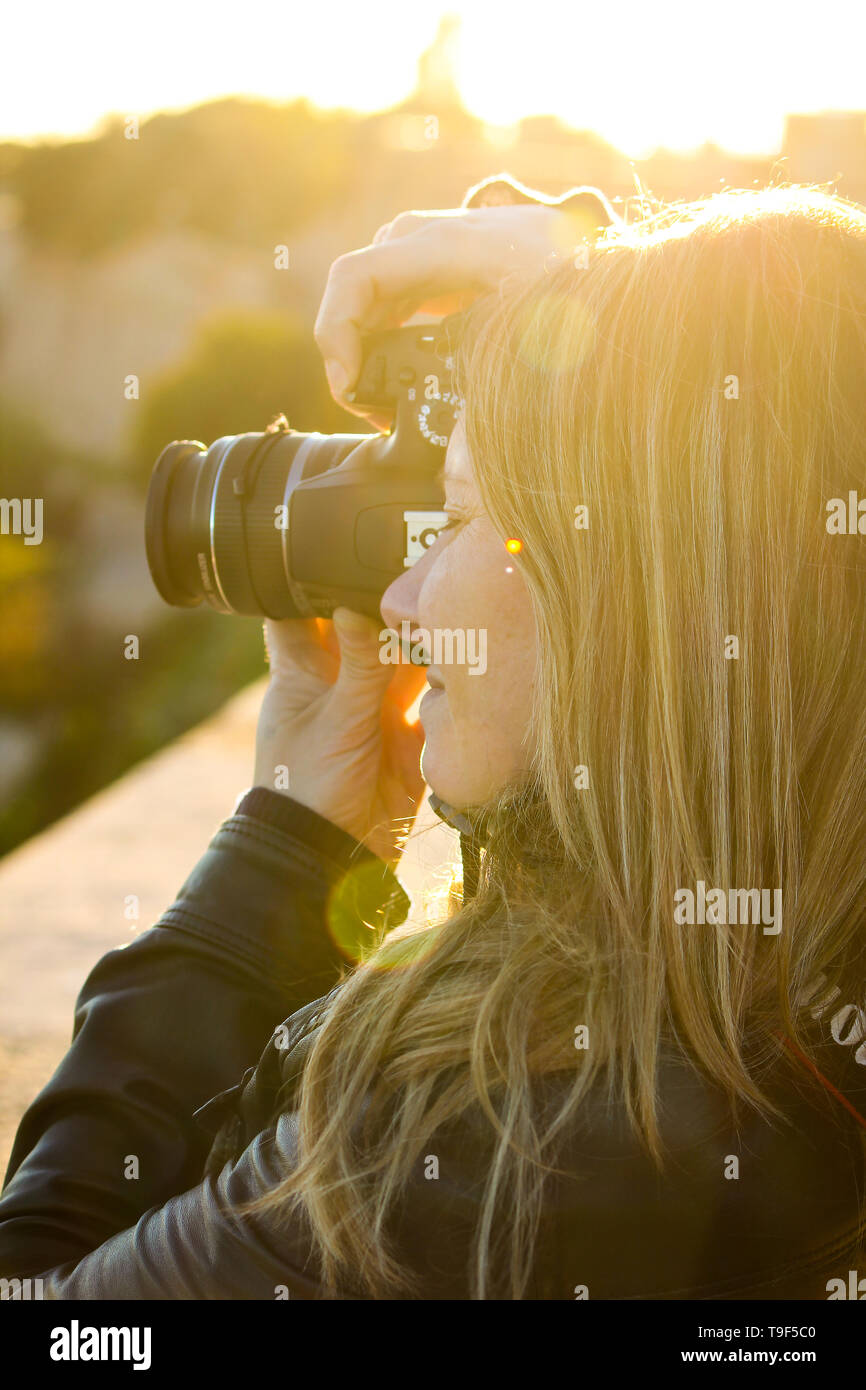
(361, 672)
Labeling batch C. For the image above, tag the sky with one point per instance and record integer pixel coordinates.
(673, 73)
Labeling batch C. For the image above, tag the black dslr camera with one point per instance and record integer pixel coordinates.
(289, 525)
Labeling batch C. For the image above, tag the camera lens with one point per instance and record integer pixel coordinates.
(216, 521)
(283, 524)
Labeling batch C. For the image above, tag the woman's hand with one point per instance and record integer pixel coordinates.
(434, 263)
(334, 716)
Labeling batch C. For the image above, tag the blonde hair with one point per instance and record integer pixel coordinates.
(700, 388)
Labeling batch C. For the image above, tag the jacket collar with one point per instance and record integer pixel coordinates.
(467, 822)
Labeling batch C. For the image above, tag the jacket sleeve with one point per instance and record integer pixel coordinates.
(197, 1245)
(278, 907)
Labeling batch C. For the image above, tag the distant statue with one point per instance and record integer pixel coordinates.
(437, 85)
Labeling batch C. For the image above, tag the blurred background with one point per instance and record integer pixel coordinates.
(154, 256)
(150, 162)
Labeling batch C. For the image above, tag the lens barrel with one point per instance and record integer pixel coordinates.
(217, 520)
(171, 556)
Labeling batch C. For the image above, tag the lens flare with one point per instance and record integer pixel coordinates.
(513, 545)
(353, 922)
(350, 909)
(558, 332)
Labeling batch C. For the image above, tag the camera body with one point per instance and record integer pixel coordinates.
(284, 524)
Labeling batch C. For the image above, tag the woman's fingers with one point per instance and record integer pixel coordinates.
(436, 261)
(407, 681)
(306, 644)
(399, 272)
(361, 668)
(312, 644)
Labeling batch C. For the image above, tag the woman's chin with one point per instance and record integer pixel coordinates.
(438, 771)
(442, 768)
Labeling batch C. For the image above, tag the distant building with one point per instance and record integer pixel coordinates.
(437, 68)
(434, 110)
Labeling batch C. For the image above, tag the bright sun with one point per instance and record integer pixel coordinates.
(673, 73)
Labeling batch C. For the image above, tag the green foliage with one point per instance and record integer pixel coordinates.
(63, 677)
(242, 171)
(30, 459)
(245, 367)
(32, 465)
(102, 714)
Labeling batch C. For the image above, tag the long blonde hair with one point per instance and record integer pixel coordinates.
(700, 389)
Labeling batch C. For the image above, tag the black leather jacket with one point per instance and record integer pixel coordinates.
(162, 1070)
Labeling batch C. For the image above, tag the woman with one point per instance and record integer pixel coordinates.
(628, 1066)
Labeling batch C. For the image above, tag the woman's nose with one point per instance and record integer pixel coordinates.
(400, 599)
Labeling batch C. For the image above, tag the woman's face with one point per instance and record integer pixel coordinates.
(468, 596)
